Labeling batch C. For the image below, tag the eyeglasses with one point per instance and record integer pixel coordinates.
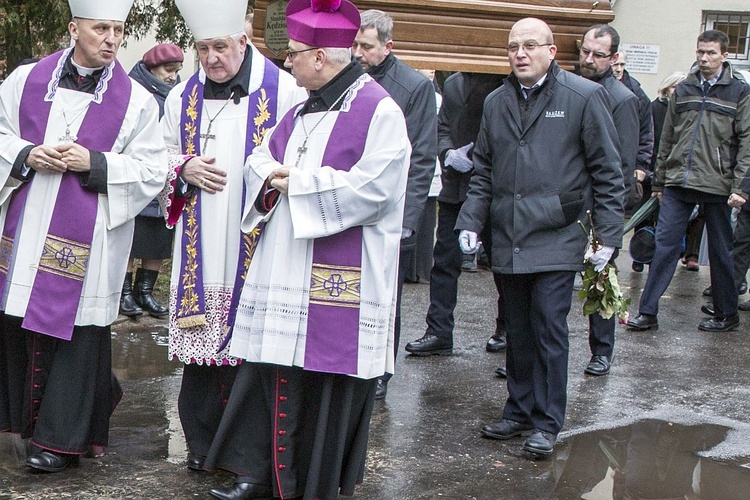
(597, 55)
(291, 54)
(529, 46)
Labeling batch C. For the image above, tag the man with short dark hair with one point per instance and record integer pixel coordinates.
(81, 154)
(704, 158)
(546, 153)
(598, 50)
(415, 96)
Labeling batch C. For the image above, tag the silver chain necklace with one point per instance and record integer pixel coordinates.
(208, 136)
(303, 148)
(68, 137)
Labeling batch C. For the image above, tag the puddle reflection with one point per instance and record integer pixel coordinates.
(649, 459)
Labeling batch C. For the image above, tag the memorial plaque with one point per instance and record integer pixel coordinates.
(275, 36)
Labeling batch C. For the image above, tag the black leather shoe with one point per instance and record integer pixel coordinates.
(497, 342)
(242, 491)
(643, 322)
(637, 266)
(501, 372)
(49, 461)
(195, 462)
(143, 289)
(720, 324)
(599, 365)
(506, 429)
(707, 292)
(430, 345)
(744, 306)
(382, 389)
(540, 443)
(742, 290)
(128, 307)
(708, 308)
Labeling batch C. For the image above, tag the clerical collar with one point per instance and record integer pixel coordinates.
(72, 77)
(325, 97)
(238, 84)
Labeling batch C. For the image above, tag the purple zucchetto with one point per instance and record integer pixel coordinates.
(322, 23)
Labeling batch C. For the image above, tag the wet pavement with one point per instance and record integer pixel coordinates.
(669, 421)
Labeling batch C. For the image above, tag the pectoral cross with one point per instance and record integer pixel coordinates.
(300, 152)
(67, 137)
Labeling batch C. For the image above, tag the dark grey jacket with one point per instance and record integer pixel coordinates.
(624, 106)
(415, 95)
(458, 125)
(646, 149)
(536, 183)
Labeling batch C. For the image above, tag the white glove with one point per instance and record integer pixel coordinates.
(599, 258)
(458, 159)
(468, 241)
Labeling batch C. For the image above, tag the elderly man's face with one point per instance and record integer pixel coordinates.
(529, 51)
(96, 41)
(167, 73)
(595, 55)
(300, 58)
(369, 50)
(221, 58)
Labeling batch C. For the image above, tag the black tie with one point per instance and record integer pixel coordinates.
(706, 87)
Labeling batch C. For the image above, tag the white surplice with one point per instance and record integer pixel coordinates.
(271, 320)
(220, 213)
(136, 171)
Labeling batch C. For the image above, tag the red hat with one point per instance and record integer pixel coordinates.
(322, 23)
(162, 54)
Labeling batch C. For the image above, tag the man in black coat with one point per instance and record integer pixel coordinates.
(458, 126)
(599, 47)
(547, 151)
(415, 95)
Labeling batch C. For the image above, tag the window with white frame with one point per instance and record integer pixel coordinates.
(737, 27)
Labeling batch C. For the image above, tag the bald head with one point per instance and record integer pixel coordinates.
(531, 50)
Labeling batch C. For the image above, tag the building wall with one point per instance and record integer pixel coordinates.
(673, 25)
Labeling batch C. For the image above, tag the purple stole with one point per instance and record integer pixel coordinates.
(332, 343)
(261, 115)
(56, 292)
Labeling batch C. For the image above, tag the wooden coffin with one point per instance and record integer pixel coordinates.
(458, 35)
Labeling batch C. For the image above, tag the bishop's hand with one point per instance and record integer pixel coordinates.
(279, 179)
(76, 157)
(45, 159)
(201, 171)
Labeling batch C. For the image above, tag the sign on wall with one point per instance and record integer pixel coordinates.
(641, 58)
(275, 35)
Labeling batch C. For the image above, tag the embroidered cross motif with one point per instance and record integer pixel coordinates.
(335, 285)
(65, 257)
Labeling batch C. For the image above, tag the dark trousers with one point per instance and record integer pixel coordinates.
(536, 310)
(446, 270)
(204, 393)
(602, 331)
(741, 247)
(675, 211)
(61, 393)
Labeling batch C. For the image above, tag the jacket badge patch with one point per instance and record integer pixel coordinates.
(555, 114)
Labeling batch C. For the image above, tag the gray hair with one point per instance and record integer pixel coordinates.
(339, 55)
(672, 79)
(379, 20)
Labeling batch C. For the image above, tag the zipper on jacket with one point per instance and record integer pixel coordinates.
(695, 136)
(718, 157)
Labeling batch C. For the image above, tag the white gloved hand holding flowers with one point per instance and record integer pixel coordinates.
(599, 257)
(601, 292)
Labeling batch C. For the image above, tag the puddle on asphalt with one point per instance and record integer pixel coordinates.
(648, 459)
(146, 424)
